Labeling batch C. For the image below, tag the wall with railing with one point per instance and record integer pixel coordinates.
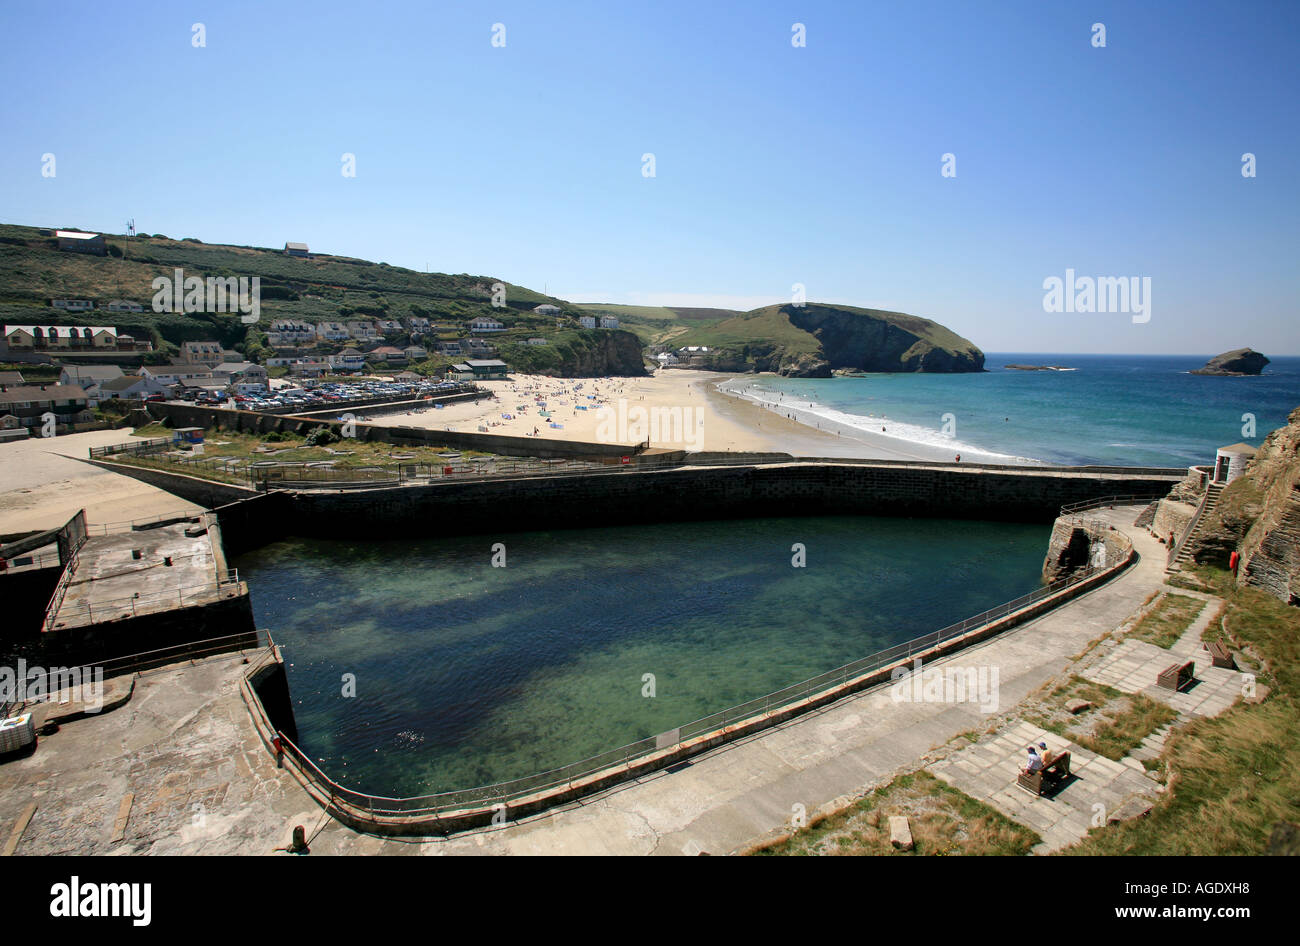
(455, 810)
(48, 681)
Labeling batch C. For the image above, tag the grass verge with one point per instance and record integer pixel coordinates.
(943, 821)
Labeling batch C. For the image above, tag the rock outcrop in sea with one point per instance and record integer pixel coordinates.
(1234, 364)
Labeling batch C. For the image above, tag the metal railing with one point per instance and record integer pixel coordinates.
(1145, 499)
(34, 559)
(822, 684)
(53, 679)
(114, 608)
(120, 526)
(135, 446)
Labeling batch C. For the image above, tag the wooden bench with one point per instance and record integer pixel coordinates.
(1176, 676)
(1050, 775)
(1220, 656)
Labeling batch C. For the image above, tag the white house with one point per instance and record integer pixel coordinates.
(89, 378)
(130, 386)
(348, 360)
(333, 331)
(587, 321)
(73, 305)
(362, 330)
(1230, 462)
(122, 305)
(608, 321)
(290, 332)
(536, 341)
(547, 309)
(176, 374)
(483, 324)
(244, 376)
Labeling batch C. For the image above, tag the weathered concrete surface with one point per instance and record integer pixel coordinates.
(183, 745)
(191, 740)
(107, 582)
(43, 483)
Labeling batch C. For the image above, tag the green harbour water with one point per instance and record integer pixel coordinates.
(468, 674)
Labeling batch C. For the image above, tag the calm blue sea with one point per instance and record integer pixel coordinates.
(1111, 409)
(467, 674)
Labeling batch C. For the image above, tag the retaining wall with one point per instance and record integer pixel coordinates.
(628, 497)
(258, 422)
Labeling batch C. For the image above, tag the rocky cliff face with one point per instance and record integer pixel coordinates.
(850, 340)
(1240, 361)
(582, 354)
(605, 353)
(1258, 514)
(814, 340)
(1270, 552)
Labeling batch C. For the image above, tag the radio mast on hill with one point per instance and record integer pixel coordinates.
(130, 227)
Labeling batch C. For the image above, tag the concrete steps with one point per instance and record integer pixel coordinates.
(1183, 555)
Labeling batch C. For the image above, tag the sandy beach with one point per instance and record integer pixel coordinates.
(674, 409)
(43, 482)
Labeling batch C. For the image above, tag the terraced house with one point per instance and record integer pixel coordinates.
(25, 405)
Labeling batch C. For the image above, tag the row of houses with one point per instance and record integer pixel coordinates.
(27, 338)
(88, 305)
(293, 333)
(25, 406)
(691, 353)
(108, 382)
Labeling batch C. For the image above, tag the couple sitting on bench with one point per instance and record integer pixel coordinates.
(1043, 766)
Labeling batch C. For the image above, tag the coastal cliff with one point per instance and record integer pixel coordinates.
(815, 340)
(589, 353)
(1258, 515)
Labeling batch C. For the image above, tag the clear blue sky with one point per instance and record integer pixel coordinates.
(774, 164)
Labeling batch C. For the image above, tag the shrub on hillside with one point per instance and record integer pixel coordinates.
(321, 437)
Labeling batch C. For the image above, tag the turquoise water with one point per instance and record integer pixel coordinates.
(1120, 410)
(468, 674)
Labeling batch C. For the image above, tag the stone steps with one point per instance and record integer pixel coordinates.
(1212, 491)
